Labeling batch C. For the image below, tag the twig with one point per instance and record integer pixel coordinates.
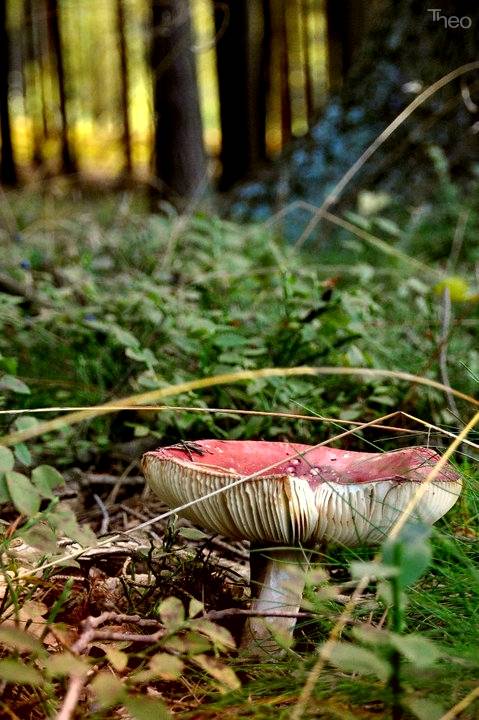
(91, 624)
(220, 614)
(111, 500)
(72, 697)
(462, 705)
(105, 523)
(105, 479)
(458, 239)
(139, 516)
(335, 193)
(443, 345)
(240, 552)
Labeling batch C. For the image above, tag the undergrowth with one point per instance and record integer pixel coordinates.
(101, 301)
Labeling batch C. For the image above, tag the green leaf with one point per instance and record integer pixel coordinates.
(220, 636)
(20, 640)
(172, 613)
(63, 520)
(23, 455)
(145, 708)
(373, 569)
(26, 422)
(14, 671)
(222, 673)
(108, 689)
(410, 553)
(420, 651)
(24, 496)
(425, 709)
(124, 337)
(166, 666)
(63, 664)
(13, 384)
(192, 534)
(195, 608)
(353, 659)
(42, 537)
(116, 657)
(46, 478)
(372, 635)
(191, 643)
(4, 494)
(7, 461)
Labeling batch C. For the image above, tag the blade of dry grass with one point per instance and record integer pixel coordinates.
(69, 556)
(461, 705)
(224, 379)
(345, 617)
(335, 193)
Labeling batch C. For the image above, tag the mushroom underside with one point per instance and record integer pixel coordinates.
(286, 510)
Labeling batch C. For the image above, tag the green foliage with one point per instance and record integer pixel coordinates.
(126, 304)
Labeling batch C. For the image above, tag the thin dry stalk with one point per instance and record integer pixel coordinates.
(72, 697)
(335, 193)
(443, 347)
(461, 705)
(163, 516)
(345, 617)
(224, 379)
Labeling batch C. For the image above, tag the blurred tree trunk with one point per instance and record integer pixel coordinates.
(180, 162)
(242, 30)
(346, 23)
(404, 49)
(286, 112)
(304, 11)
(124, 82)
(32, 79)
(68, 160)
(8, 173)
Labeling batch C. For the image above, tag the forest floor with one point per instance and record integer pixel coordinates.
(100, 301)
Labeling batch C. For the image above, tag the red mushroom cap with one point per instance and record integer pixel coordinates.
(310, 493)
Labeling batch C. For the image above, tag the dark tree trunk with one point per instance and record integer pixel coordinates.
(231, 26)
(124, 82)
(8, 173)
(180, 162)
(405, 48)
(345, 30)
(308, 77)
(240, 31)
(280, 32)
(68, 161)
(264, 86)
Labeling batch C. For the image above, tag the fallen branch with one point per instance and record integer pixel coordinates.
(91, 626)
(72, 697)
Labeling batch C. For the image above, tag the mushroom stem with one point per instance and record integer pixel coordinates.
(277, 581)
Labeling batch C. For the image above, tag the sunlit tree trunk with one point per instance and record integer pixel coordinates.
(68, 160)
(124, 82)
(8, 174)
(180, 162)
(32, 79)
(281, 30)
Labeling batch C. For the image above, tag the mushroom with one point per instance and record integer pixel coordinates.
(293, 496)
